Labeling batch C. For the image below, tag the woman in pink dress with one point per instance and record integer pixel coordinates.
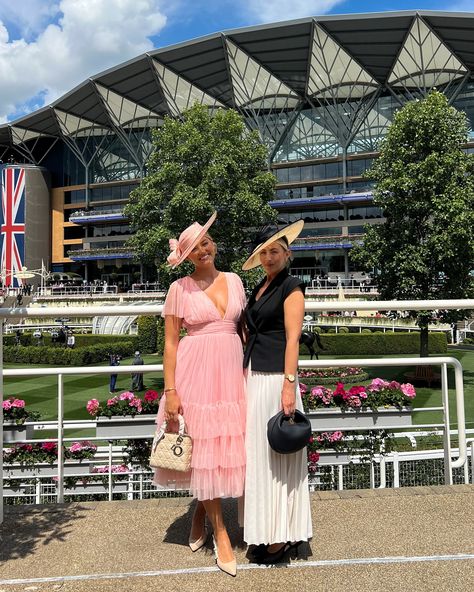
(204, 382)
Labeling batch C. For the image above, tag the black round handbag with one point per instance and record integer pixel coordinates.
(288, 433)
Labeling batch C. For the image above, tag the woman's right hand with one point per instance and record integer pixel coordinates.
(173, 406)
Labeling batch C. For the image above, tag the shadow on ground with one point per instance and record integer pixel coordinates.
(22, 532)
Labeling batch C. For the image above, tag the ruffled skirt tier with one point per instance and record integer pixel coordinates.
(210, 384)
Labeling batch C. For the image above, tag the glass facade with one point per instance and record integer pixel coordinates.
(320, 102)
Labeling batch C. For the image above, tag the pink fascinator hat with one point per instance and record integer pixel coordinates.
(188, 239)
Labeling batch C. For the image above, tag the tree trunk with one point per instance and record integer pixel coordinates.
(424, 341)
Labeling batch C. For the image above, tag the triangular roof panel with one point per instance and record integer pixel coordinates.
(424, 60)
(333, 73)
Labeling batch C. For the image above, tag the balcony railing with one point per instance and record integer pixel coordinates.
(96, 254)
(89, 217)
(327, 242)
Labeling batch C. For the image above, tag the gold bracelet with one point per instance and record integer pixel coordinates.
(169, 389)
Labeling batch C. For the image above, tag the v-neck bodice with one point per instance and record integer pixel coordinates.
(186, 300)
(222, 316)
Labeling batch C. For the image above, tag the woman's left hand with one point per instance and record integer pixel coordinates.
(288, 398)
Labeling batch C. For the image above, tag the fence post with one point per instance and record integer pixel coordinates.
(383, 472)
(448, 471)
(111, 488)
(396, 470)
(60, 438)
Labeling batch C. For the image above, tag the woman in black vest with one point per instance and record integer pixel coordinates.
(277, 509)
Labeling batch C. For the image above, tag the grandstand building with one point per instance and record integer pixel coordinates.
(320, 91)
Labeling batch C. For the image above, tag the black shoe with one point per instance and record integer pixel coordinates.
(268, 558)
(257, 552)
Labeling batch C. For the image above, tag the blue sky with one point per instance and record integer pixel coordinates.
(47, 47)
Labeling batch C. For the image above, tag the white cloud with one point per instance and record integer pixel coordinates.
(88, 36)
(29, 17)
(267, 11)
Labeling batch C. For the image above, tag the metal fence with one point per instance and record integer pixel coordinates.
(442, 361)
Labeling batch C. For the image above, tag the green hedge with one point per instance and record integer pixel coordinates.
(82, 340)
(147, 334)
(160, 336)
(61, 356)
(353, 344)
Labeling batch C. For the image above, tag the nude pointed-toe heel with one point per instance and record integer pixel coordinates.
(196, 544)
(230, 567)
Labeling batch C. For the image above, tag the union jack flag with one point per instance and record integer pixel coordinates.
(12, 224)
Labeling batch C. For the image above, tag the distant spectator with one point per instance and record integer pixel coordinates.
(137, 377)
(18, 337)
(114, 361)
(19, 299)
(71, 340)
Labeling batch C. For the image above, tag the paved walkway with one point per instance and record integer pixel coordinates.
(419, 538)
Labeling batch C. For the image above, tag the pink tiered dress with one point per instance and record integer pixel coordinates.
(210, 383)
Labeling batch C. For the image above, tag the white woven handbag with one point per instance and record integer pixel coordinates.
(172, 451)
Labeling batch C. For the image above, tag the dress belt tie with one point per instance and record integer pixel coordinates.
(213, 327)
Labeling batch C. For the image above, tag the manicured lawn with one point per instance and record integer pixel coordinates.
(40, 392)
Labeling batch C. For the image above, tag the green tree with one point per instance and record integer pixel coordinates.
(201, 163)
(424, 183)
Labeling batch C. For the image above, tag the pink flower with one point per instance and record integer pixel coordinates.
(135, 402)
(314, 457)
(353, 401)
(6, 405)
(92, 406)
(339, 389)
(127, 396)
(357, 390)
(336, 436)
(49, 446)
(151, 396)
(303, 388)
(113, 468)
(408, 390)
(80, 446)
(18, 403)
(112, 401)
(394, 384)
(378, 383)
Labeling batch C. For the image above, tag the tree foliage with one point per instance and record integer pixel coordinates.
(202, 163)
(424, 183)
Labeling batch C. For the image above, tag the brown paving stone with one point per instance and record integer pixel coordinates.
(387, 492)
(349, 494)
(151, 535)
(328, 495)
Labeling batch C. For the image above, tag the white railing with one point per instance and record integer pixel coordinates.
(442, 361)
(83, 290)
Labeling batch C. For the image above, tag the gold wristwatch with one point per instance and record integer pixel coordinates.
(290, 377)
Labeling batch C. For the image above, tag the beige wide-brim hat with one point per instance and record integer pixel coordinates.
(188, 239)
(290, 232)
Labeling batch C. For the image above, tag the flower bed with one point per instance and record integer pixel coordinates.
(14, 410)
(331, 375)
(47, 453)
(379, 393)
(125, 404)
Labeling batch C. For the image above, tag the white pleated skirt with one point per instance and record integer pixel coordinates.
(276, 506)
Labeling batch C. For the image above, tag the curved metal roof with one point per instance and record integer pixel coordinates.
(275, 66)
